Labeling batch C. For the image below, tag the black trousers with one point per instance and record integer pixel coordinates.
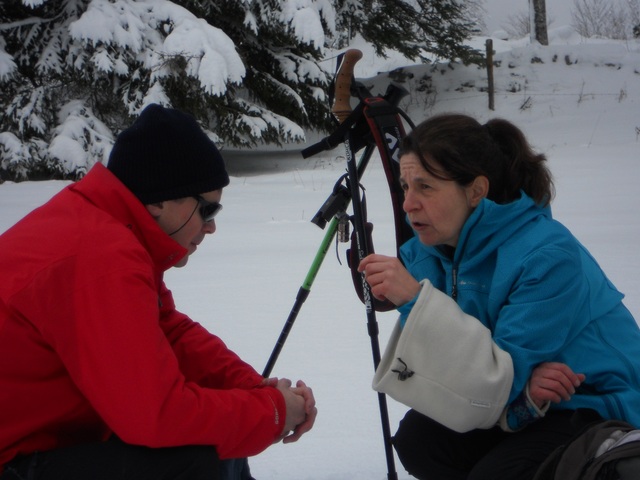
(116, 460)
(430, 451)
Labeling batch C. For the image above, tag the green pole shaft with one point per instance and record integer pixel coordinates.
(302, 295)
(321, 254)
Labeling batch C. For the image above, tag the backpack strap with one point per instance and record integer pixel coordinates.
(388, 131)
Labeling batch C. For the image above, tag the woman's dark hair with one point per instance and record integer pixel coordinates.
(463, 149)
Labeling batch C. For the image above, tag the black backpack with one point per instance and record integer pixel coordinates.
(580, 459)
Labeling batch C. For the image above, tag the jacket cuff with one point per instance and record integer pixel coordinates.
(521, 412)
(445, 364)
(279, 410)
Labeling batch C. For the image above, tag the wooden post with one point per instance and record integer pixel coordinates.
(490, 89)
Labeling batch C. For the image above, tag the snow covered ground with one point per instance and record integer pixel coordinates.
(578, 102)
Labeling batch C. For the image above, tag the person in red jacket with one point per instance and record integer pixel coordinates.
(100, 376)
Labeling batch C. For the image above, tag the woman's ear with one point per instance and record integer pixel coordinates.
(155, 209)
(478, 190)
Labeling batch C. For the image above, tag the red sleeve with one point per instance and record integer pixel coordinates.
(203, 357)
(103, 322)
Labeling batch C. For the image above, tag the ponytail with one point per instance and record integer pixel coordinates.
(524, 168)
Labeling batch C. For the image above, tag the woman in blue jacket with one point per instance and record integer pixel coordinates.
(492, 287)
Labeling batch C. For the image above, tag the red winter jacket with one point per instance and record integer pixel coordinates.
(91, 343)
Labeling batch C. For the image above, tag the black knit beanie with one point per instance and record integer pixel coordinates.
(165, 155)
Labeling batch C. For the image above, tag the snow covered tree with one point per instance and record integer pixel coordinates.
(425, 29)
(74, 73)
(102, 61)
(280, 45)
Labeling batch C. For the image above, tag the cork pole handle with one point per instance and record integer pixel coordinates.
(342, 105)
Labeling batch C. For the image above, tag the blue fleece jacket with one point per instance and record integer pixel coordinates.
(544, 298)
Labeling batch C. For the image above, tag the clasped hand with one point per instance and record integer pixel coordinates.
(301, 408)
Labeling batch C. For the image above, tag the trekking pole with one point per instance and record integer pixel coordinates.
(302, 295)
(332, 208)
(341, 110)
(351, 122)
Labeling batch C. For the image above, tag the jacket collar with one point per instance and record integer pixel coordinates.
(103, 189)
(492, 224)
(489, 226)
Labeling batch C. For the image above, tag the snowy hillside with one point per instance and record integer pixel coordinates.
(577, 100)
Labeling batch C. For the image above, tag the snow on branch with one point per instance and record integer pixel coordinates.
(118, 24)
(211, 55)
(7, 65)
(303, 19)
(158, 31)
(258, 122)
(80, 140)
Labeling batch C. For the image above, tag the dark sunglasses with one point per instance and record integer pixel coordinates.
(208, 210)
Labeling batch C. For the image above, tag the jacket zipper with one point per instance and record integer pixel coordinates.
(454, 283)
